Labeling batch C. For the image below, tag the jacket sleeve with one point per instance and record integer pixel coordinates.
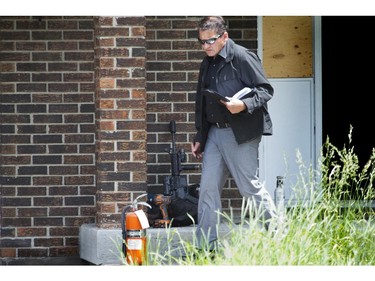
(198, 117)
(252, 75)
(198, 109)
(201, 123)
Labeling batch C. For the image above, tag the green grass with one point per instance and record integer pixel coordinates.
(330, 224)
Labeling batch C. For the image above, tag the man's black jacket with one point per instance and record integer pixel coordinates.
(241, 68)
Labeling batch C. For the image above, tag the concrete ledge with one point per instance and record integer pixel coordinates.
(104, 246)
(100, 246)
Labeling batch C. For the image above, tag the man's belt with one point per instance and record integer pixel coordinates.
(221, 125)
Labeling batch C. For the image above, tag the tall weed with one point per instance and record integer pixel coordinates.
(330, 223)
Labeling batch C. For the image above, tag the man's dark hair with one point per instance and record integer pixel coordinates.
(213, 23)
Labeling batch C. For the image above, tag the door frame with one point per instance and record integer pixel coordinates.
(316, 100)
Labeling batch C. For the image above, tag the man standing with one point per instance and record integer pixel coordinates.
(229, 133)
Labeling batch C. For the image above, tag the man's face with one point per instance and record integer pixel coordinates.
(218, 41)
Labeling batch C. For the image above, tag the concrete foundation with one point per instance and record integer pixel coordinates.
(100, 246)
(103, 246)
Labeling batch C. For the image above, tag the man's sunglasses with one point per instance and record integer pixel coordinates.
(211, 40)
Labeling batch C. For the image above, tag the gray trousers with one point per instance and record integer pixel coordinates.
(223, 157)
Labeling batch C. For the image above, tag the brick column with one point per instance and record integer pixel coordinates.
(120, 115)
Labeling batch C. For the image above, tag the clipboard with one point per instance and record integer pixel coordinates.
(243, 93)
(214, 95)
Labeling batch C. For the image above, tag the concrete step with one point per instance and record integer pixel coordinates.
(103, 246)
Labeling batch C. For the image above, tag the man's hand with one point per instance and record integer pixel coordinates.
(234, 105)
(196, 150)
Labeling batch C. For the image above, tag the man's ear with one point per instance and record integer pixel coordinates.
(225, 36)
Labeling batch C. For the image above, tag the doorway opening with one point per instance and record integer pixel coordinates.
(347, 82)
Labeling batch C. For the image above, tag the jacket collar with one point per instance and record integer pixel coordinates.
(229, 49)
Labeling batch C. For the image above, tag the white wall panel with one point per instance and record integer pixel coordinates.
(292, 113)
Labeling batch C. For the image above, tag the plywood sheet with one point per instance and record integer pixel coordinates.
(288, 46)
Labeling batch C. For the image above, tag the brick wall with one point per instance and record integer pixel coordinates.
(121, 115)
(47, 134)
(85, 110)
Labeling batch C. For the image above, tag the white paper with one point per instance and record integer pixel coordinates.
(242, 93)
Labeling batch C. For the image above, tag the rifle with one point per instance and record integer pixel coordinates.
(175, 188)
(176, 185)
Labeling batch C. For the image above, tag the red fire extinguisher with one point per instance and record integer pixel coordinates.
(134, 224)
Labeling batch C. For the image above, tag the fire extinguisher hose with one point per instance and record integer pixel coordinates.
(123, 227)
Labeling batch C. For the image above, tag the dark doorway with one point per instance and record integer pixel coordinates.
(348, 63)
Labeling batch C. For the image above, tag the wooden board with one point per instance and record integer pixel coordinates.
(288, 46)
